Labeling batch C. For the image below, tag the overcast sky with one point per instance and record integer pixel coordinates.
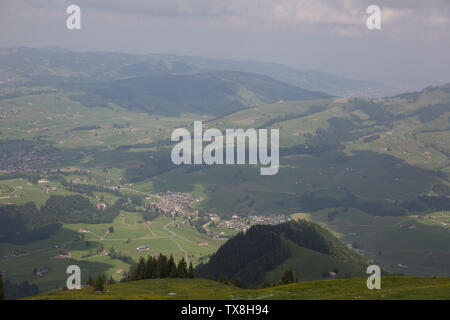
(413, 45)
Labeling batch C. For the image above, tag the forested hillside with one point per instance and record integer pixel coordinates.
(250, 256)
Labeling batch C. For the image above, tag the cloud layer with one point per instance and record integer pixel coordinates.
(317, 34)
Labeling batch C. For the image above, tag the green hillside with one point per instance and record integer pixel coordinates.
(400, 287)
(56, 65)
(212, 93)
(264, 252)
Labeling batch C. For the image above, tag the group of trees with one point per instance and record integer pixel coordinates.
(99, 283)
(33, 178)
(11, 291)
(151, 214)
(76, 209)
(21, 224)
(18, 224)
(286, 278)
(198, 224)
(82, 188)
(431, 112)
(160, 267)
(305, 234)
(113, 254)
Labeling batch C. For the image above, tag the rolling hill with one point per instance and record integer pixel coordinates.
(212, 93)
(263, 252)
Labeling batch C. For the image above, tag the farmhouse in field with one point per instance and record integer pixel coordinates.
(142, 248)
(63, 255)
(41, 271)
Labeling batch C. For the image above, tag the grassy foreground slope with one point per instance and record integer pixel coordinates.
(392, 287)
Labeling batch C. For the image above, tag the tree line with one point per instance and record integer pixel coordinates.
(160, 267)
(21, 224)
(11, 291)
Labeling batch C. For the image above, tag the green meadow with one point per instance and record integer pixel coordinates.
(392, 288)
(130, 232)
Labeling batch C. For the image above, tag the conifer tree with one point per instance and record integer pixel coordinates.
(191, 271)
(140, 271)
(99, 283)
(223, 279)
(172, 268)
(237, 283)
(182, 270)
(265, 284)
(162, 270)
(288, 277)
(90, 282)
(149, 266)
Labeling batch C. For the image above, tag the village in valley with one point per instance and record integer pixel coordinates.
(179, 211)
(178, 204)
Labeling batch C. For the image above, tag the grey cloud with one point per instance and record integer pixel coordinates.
(253, 13)
(329, 35)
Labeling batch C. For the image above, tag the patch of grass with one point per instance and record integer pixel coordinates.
(401, 288)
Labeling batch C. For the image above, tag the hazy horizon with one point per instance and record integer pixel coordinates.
(307, 35)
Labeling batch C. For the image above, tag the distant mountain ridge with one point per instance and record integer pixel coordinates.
(151, 84)
(53, 64)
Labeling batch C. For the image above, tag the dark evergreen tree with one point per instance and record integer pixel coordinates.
(223, 279)
(172, 268)
(149, 268)
(162, 267)
(90, 282)
(237, 283)
(265, 284)
(99, 283)
(13, 291)
(191, 271)
(288, 277)
(140, 270)
(182, 269)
